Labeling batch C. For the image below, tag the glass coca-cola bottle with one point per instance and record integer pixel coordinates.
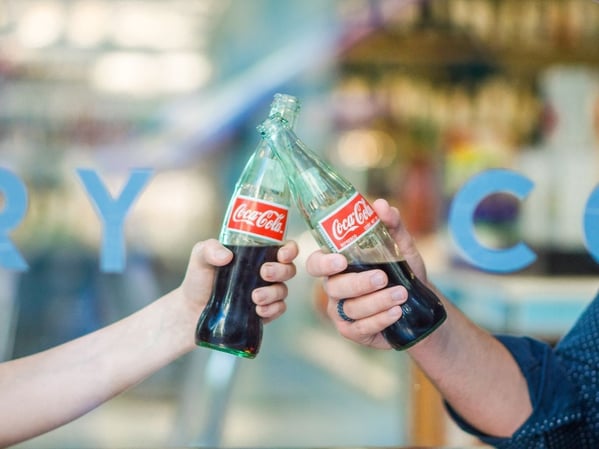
(253, 229)
(343, 221)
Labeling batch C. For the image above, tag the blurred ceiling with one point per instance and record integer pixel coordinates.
(173, 73)
(153, 82)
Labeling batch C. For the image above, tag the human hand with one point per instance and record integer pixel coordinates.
(269, 300)
(391, 217)
(372, 306)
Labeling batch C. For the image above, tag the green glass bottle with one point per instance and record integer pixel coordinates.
(343, 221)
(253, 229)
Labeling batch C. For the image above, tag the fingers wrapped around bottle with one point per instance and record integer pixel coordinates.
(270, 300)
(361, 307)
(283, 269)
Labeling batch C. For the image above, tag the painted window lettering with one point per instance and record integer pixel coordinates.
(342, 227)
(111, 211)
(519, 256)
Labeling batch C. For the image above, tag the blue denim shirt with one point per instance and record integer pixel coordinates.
(563, 384)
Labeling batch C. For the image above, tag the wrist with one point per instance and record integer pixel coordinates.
(184, 316)
(434, 345)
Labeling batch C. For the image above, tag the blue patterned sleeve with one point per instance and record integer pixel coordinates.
(557, 420)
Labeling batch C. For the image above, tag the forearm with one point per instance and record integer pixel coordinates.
(48, 389)
(475, 374)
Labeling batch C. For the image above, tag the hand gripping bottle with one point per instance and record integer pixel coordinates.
(343, 221)
(254, 229)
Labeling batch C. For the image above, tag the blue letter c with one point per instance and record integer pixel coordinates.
(461, 220)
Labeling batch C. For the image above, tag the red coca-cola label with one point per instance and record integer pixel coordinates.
(349, 222)
(259, 218)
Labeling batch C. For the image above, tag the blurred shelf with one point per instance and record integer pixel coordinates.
(427, 50)
(545, 307)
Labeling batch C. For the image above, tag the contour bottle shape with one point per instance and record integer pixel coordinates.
(343, 221)
(254, 229)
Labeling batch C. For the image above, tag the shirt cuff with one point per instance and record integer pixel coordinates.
(552, 396)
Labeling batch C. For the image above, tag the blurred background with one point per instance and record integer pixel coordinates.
(408, 98)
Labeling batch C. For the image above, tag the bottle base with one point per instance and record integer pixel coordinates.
(235, 352)
(421, 337)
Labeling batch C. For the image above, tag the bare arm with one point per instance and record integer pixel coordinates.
(471, 369)
(50, 388)
(475, 374)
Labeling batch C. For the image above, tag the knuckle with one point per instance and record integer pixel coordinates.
(331, 310)
(277, 308)
(360, 328)
(345, 332)
(198, 247)
(292, 270)
(326, 286)
(278, 293)
(283, 291)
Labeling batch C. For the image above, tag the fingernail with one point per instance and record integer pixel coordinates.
(221, 254)
(283, 254)
(268, 271)
(258, 296)
(395, 311)
(378, 280)
(338, 263)
(397, 294)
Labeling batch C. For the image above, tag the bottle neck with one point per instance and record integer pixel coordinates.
(287, 107)
(278, 135)
(314, 184)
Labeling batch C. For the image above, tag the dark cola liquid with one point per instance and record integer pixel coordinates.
(423, 311)
(229, 322)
